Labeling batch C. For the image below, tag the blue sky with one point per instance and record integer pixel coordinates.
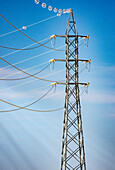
(30, 140)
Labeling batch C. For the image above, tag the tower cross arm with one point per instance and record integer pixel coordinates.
(74, 60)
(79, 36)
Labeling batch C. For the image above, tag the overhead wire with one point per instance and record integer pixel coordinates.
(29, 25)
(31, 104)
(36, 88)
(22, 78)
(32, 81)
(12, 48)
(33, 110)
(28, 36)
(81, 43)
(31, 58)
(33, 101)
(25, 70)
(21, 94)
(22, 48)
(45, 86)
(83, 69)
(46, 97)
(52, 95)
(28, 82)
(20, 84)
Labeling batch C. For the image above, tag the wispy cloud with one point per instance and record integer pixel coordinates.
(7, 71)
(96, 96)
(103, 75)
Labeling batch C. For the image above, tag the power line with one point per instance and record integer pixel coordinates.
(31, 57)
(52, 95)
(28, 73)
(29, 81)
(25, 69)
(21, 94)
(20, 49)
(22, 78)
(27, 108)
(24, 61)
(30, 90)
(28, 26)
(28, 36)
(23, 48)
(17, 85)
(25, 72)
(32, 102)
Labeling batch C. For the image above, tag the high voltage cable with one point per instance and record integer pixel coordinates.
(29, 25)
(26, 47)
(55, 73)
(83, 69)
(46, 97)
(27, 68)
(17, 85)
(25, 72)
(33, 74)
(31, 57)
(27, 60)
(22, 78)
(34, 89)
(21, 94)
(23, 48)
(28, 36)
(28, 82)
(27, 108)
(32, 102)
(11, 48)
(52, 95)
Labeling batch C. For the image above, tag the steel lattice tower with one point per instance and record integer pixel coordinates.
(73, 153)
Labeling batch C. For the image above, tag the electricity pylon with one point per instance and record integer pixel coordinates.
(73, 153)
